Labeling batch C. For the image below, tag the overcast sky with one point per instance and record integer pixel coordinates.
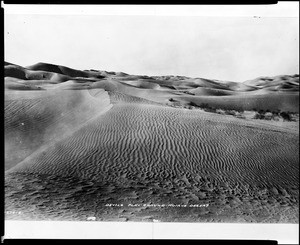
(224, 48)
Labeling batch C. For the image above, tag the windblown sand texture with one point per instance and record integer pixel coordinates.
(112, 146)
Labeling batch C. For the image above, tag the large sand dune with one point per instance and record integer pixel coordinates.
(164, 143)
(48, 116)
(71, 154)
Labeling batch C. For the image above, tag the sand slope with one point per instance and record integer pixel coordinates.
(32, 122)
(87, 142)
(165, 142)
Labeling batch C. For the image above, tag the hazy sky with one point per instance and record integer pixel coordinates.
(225, 48)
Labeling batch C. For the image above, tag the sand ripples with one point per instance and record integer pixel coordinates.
(34, 123)
(80, 147)
(147, 141)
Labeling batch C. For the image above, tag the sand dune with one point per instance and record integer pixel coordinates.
(211, 92)
(239, 86)
(139, 143)
(60, 69)
(268, 93)
(142, 84)
(14, 71)
(274, 81)
(174, 156)
(74, 146)
(30, 123)
(284, 102)
(26, 74)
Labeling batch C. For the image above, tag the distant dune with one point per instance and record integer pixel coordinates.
(267, 93)
(59, 69)
(77, 141)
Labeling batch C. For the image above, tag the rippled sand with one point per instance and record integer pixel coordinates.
(140, 153)
(112, 147)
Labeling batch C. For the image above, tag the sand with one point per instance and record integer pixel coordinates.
(115, 149)
(48, 116)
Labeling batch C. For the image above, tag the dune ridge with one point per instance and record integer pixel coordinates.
(30, 123)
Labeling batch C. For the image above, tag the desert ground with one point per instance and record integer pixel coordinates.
(109, 146)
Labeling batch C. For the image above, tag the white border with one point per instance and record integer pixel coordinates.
(282, 9)
(283, 233)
